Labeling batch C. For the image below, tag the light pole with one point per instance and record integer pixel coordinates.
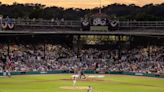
(100, 6)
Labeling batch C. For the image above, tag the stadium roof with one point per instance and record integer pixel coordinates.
(125, 32)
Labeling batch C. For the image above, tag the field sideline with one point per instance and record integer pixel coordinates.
(55, 82)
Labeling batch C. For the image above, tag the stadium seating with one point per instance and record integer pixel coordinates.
(27, 57)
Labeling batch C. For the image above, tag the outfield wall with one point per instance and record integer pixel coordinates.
(87, 72)
(138, 74)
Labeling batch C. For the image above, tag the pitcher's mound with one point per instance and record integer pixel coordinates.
(76, 87)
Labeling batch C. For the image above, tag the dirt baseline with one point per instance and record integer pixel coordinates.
(76, 87)
(87, 79)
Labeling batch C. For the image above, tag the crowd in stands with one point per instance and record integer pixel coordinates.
(26, 57)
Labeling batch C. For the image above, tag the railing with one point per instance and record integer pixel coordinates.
(141, 24)
(88, 72)
(77, 23)
(57, 23)
(122, 24)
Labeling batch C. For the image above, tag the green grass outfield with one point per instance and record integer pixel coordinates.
(52, 83)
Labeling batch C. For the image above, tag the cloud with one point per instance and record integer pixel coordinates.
(82, 3)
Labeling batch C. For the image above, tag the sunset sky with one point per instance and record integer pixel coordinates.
(82, 3)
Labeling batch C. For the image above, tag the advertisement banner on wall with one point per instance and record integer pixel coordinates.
(139, 74)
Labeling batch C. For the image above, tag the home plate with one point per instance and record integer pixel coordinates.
(72, 87)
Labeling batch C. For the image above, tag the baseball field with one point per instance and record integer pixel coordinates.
(63, 83)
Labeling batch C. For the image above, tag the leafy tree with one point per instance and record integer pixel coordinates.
(122, 11)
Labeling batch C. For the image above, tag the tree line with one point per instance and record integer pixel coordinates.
(149, 12)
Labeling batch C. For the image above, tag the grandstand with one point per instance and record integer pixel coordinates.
(46, 51)
(65, 47)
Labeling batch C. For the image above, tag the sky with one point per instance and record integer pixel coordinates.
(83, 3)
